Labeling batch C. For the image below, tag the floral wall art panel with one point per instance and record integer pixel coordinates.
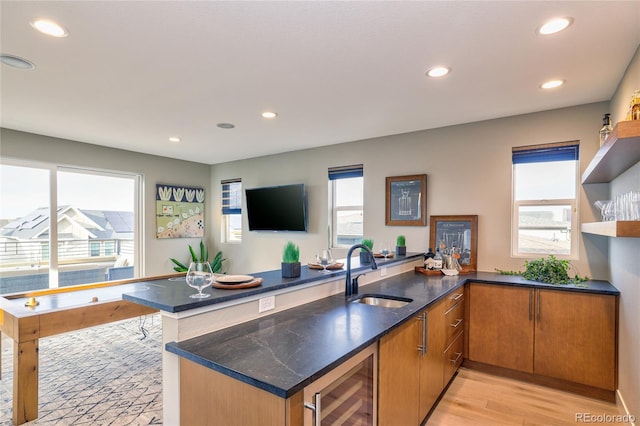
(179, 211)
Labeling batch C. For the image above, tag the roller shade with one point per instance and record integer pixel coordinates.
(345, 172)
(562, 151)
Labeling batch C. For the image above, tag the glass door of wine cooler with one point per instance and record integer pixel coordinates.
(345, 396)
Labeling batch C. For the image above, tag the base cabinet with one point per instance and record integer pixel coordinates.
(563, 335)
(414, 361)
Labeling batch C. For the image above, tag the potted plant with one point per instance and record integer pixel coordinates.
(364, 256)
(401, 246)
(290, 261)
(216, 263)
(550, 270)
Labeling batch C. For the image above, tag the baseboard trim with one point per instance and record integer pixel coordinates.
(625, 410)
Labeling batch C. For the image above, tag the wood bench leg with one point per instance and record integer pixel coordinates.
(25, 381)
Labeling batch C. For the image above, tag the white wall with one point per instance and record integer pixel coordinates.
(20, 145)
(624, 254)
(469, 172)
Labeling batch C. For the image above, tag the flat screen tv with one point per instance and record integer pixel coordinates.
(277, 208)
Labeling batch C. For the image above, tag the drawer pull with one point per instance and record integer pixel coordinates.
(458, 355)
(457, 323)
(457, 296)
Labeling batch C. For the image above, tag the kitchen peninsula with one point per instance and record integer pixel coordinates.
(276, 355)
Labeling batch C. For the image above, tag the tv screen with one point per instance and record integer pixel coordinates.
(277, 208)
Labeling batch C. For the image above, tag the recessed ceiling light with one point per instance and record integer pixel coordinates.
(174, 139)
(552, 84)
(269, 114)
(48, 27)
(555, 26)
(225, 125)
(438, 71)
(16, 62)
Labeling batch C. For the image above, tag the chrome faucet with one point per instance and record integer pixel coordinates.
(351, 286)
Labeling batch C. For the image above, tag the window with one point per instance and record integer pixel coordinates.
(346, 198)
(231, 211)
(545, 179)
(95, 225)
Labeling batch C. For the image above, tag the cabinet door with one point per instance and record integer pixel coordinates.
(432, 362)
(398, 377)
(576, 337)
(501, 326)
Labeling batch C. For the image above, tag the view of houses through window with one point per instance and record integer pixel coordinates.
(89, 237)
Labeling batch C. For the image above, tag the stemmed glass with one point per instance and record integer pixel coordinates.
(324, 259)
(199, 276)
(384, 250)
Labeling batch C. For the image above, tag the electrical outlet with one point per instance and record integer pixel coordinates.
(383, 272)
(266, 304)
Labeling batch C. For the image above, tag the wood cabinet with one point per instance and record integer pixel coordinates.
(415, 361)
(563, 335)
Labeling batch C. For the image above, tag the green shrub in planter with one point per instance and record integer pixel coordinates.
(290, 261)
(401, 246)
(364, 256)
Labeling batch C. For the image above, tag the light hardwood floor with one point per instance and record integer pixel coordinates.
(480, 399)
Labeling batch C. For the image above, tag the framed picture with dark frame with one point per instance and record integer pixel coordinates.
(406, 200)
(457, 235)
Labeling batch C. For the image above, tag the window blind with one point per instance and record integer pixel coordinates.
(232, 196)
(561, 151)
(345, 172)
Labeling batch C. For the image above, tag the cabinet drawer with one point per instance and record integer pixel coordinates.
(453, 298)
(454, 321)
(453, 357)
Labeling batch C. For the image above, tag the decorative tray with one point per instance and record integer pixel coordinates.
(380, 255)
(425, 271)
(331, 267)
(226, 286)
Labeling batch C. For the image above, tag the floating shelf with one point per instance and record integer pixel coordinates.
(619, 228)
(620, 151)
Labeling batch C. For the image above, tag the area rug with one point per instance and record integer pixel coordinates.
(105, 375)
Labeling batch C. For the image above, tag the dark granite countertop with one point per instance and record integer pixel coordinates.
(284, 352)
(172, 295)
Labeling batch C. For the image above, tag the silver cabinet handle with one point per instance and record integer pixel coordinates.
(315, 407)
(422, 347)
(457, 296)
(458, 355)
(457, 323)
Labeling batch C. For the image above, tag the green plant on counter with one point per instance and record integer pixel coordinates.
(368, 242)
(291, 253)
(401, 241)
(549, 270)
(216, 263)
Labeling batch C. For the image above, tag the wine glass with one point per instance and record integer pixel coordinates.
(384, 249)
(199, 277)
(324, 259)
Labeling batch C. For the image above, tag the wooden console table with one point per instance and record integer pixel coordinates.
(58, 311)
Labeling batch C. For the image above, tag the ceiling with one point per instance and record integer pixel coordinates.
(132, 74)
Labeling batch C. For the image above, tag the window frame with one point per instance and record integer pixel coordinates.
(573, 203)
(336, 174)
(226, 215)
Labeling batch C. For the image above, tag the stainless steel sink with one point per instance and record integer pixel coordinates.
(383, 301)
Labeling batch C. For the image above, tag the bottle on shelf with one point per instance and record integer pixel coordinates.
(635, 105)
(437, 260)
(606, 128)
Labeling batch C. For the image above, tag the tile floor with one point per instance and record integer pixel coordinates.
(105, 375)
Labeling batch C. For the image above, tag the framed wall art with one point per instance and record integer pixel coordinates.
(179, 211)
(406, 200)
(456, 236)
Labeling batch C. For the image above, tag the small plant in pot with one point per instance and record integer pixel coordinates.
(364, 256)
(291, 261)
(401, 246)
